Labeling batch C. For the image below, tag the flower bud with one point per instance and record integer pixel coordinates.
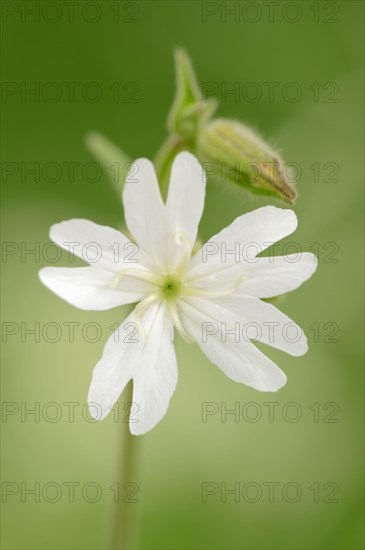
(232, 152)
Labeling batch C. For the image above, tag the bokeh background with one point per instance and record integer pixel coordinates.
(129, 49)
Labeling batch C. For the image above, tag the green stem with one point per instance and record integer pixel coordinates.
(124, 533)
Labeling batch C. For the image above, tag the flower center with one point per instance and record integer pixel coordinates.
(170, 288)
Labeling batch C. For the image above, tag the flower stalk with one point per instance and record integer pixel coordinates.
(124, 528)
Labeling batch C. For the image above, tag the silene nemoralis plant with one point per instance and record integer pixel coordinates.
(209, 294)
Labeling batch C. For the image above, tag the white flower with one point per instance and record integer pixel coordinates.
(206, 296)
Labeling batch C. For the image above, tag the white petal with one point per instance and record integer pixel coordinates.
(263, 277)
(145, 212)
(276, 275)
(257, 320)
(241, 361)
(97, 245)
(185, 204)
(155, 376)
(243, 240)
(115, 368)
(91, 288)
(150, 362)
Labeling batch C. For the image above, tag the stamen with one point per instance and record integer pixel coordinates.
(137, 274)
(177, 322)
(182, 239)
(114, 282)
(191, 291)
(190, 277)
(141, 308)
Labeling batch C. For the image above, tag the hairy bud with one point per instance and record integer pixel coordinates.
(234, 153)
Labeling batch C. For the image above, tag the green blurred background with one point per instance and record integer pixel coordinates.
(134, 47)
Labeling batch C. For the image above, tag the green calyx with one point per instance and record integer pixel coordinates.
(232, 152)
